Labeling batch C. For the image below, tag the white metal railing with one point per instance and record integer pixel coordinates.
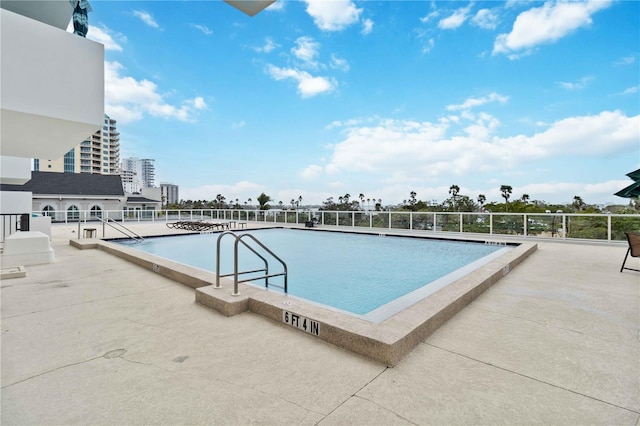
(566, 226)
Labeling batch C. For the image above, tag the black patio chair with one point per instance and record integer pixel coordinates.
(633, 239)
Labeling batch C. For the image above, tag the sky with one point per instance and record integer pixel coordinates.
(318, 99)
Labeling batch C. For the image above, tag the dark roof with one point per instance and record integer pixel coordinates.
(42, 183)
(141, 200)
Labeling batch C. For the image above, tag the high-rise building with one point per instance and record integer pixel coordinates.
(98, 154)
(169, 193)
(137, 174)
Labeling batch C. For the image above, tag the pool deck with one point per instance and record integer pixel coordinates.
(94, 339)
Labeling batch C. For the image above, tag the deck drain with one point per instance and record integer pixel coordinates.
(180, 358)
(116, 353)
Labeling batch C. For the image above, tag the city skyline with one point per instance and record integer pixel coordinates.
(320, 99)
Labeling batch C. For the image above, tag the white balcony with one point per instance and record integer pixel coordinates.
(52, 88)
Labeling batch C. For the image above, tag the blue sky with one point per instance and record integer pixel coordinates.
(323, 98)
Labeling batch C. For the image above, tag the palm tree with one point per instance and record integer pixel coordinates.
(578, 204)
(481, 200)
(525, 198)
(361, 196)
(300, 200)
(263, 200)
(453, 190)
(412, 197)
(506, 193)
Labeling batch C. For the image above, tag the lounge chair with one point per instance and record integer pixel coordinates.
(633, 239)
(195, 226)
(311, 223)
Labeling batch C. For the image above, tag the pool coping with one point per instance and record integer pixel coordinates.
(386, 342)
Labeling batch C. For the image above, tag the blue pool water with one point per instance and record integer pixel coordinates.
(358, 273)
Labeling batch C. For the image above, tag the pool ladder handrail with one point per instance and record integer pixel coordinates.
(236, 273)
(127, 232)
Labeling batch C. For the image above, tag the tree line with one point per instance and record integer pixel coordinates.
(456, 202)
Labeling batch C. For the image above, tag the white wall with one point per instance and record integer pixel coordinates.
(15, 202)
(52, 88)
(15, 170)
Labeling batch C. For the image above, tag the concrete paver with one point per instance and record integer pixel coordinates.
(93, 339)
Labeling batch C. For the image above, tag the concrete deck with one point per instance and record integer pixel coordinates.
(94, 339)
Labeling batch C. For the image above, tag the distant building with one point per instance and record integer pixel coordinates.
(98, 154)
(137, 174)
(169, 193)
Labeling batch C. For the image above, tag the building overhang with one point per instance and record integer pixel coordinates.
(250, 7)
(52, 88)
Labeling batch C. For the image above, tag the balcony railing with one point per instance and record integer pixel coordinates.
(552, 226)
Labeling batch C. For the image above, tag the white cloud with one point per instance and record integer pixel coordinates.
(333, 15)
(426, 48)
(631, 90)
(367, 26)
(580, 84)
(103, 35)
(238, 124)
(565, 191)
(486, 19)
(424, 149)
(146, 18)
(430, 16)
(475, 102)
(311, 172)
(308, 85)
(339, 63)
(626, 60)
(242, 190)
(306, 50)
(268, 46)
(546, 24)
(205, 30)
(130, 99)
(456, 19)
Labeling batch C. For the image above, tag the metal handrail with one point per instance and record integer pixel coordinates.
(236, 273)
(133, 236)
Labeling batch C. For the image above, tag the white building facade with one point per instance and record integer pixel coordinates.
(51, 94)
(137, 174)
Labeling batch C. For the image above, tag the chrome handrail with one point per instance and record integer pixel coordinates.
(236, 273)
(133, 235)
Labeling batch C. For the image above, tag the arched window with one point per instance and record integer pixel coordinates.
(96, 211)
(73, 213)
(48, 211)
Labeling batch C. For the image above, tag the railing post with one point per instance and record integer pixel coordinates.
(435, 220)
(411, 221)
(461, 223)
(564, 226)
(353, 219)
(370, 219)
(609, 227)
(525, 225)
(491, 223)
(389, 219)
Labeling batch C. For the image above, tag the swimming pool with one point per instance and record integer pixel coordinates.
(370, 276)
